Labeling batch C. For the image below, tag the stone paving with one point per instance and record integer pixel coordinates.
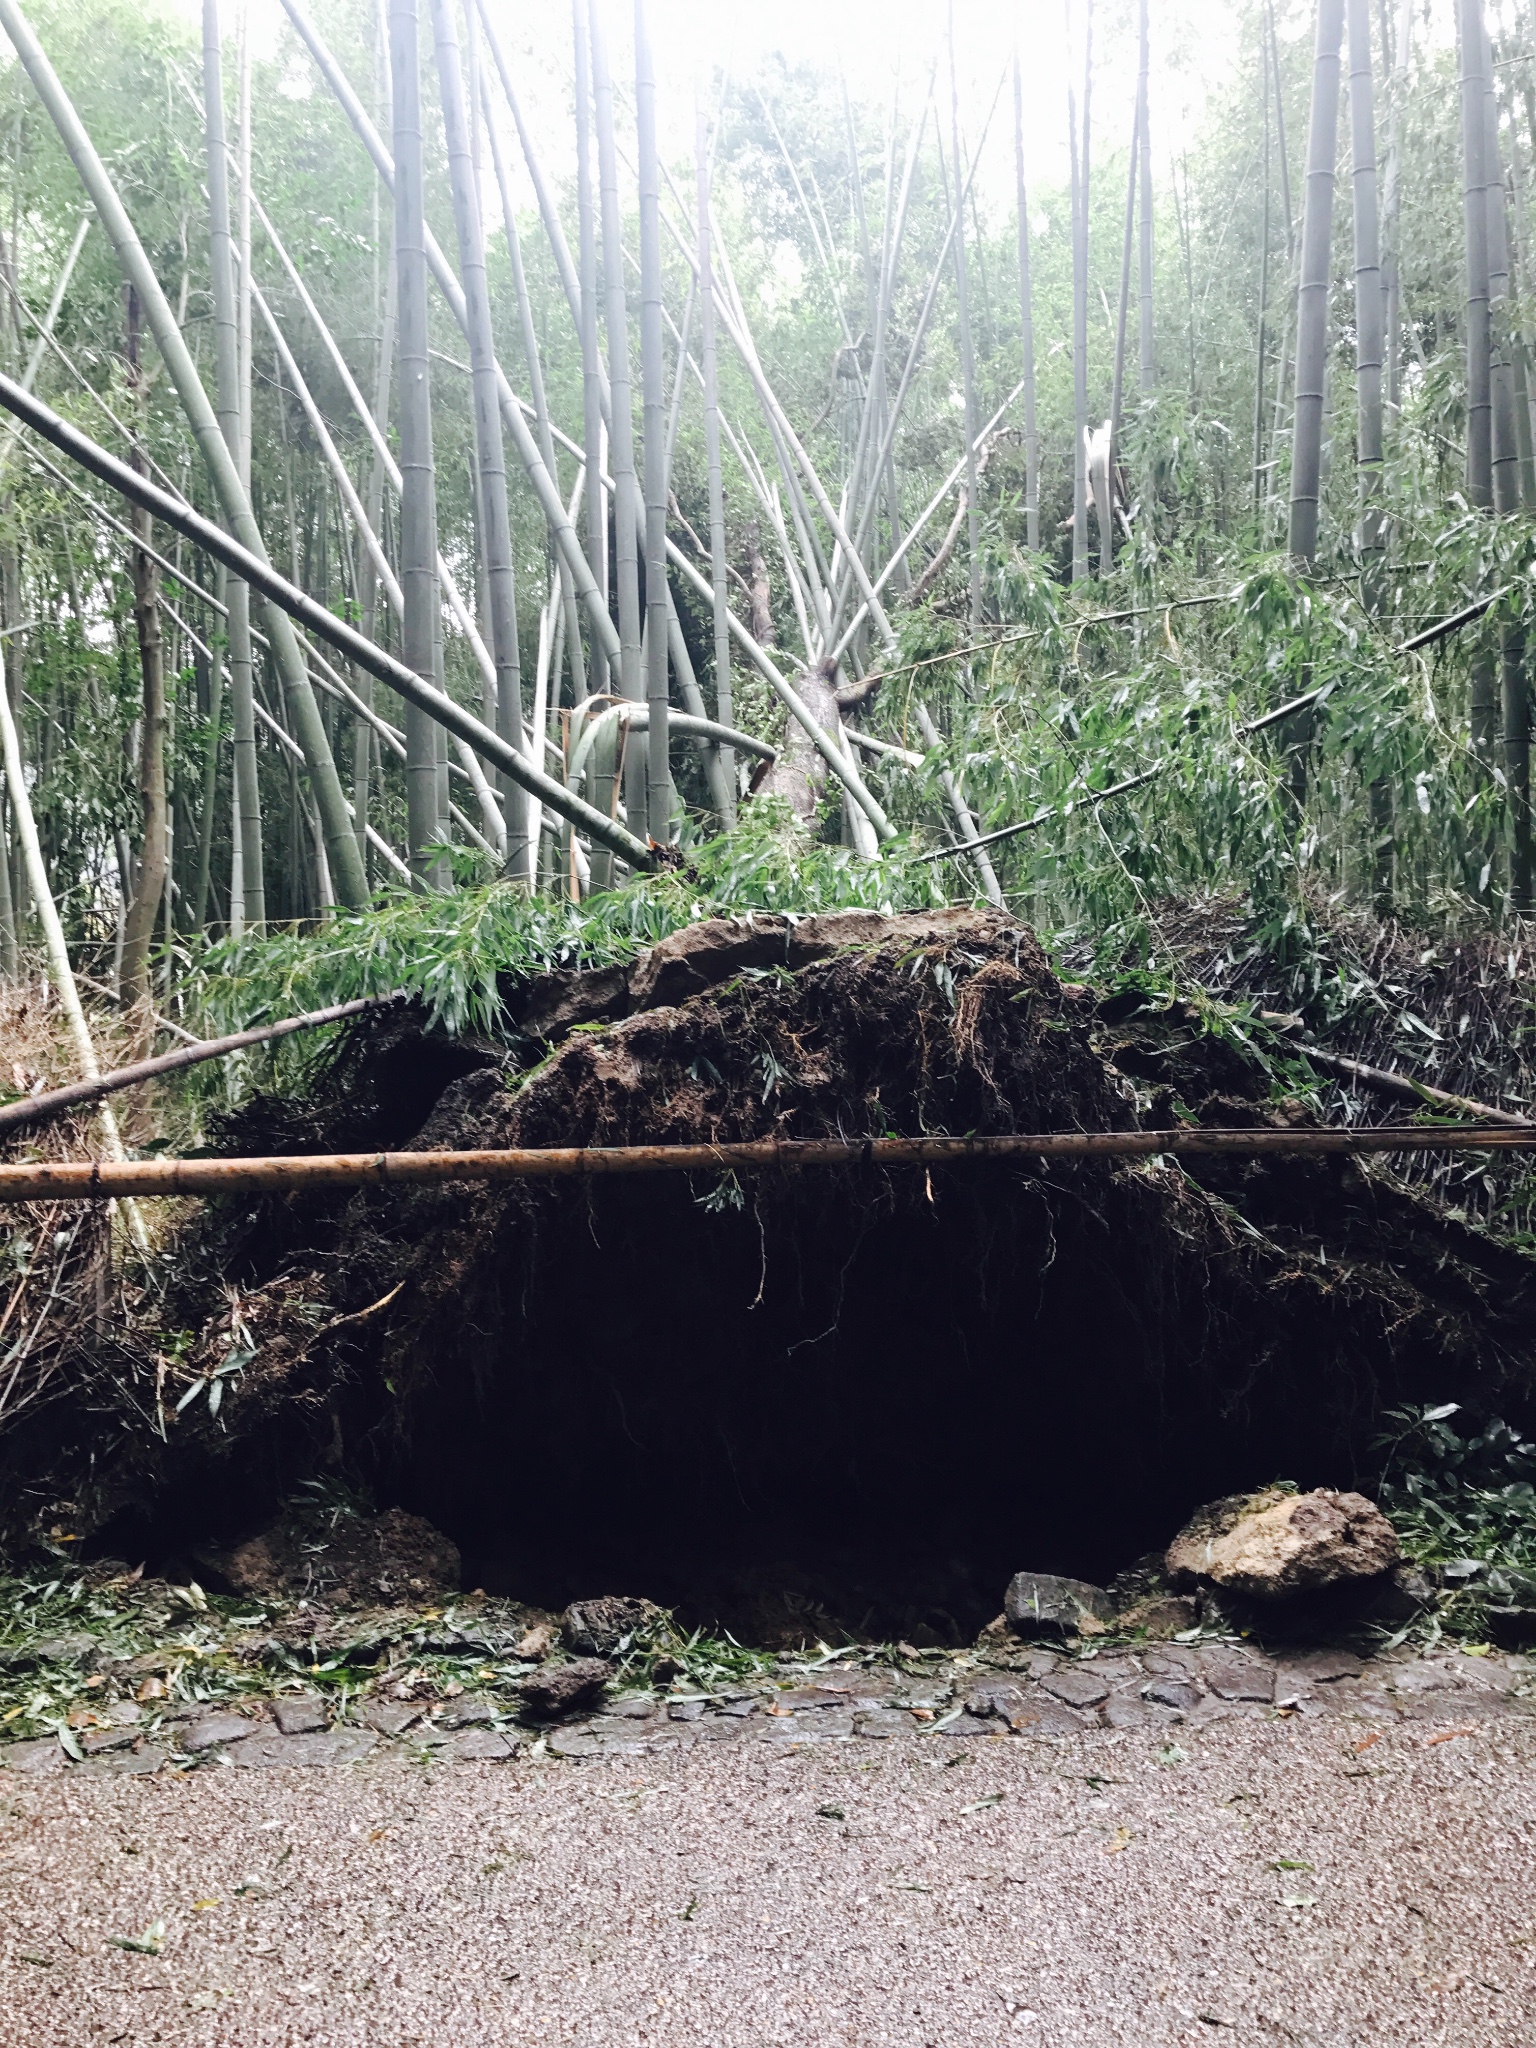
(1019, 1692)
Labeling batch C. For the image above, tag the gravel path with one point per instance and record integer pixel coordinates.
(1258, 1880)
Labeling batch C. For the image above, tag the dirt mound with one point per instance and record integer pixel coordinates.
(341, 1558)
(880, 1390)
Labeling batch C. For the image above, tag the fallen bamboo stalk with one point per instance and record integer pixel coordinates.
(1408, 1089)
(34, 1108)
(99, 1179)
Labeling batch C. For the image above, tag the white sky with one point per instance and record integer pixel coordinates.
(878, 43)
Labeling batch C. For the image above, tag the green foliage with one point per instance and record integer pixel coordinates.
(1463, 1502)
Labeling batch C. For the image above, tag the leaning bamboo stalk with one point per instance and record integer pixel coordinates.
(45, 329)
(324, 624)
(53, 936)
(522, 838)
(210, 1178)
(593, 394)
(234, 499)
(33, 1109)
(961, 810)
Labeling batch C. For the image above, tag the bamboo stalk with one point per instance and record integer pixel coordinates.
(1078, 136)
(1117, 386)
(592, 383)
(31, 1109)
(1469, 16)
(1145, 281)
(1312, 291)
(209, 1178)
(967, 352)
(324, 624)
(1504, 451)
(720, 607)
(658, 767)
(1026, 325)
(521, 841)
(1368, 301)
(233, 496)
(961, 810)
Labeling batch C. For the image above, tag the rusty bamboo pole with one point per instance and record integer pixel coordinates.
(31, 1109)
(99, 1179)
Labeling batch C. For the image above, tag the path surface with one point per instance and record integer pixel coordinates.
(1356, 1871)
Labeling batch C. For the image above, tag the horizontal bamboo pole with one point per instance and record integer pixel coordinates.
(93, 1180)
(31, 1109)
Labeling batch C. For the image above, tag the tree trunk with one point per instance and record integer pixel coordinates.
(1312, 291)
(139, 925)
(1027, 328)
(1368, 306)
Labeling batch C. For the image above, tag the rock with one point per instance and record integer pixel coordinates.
(1512, 1628)
(1160, 1619)
(33, 1759)
(75, 1649)
(276, 1752)
(1003, 1698)
(1293, 1543)
(1187, 1555)
(357, 1562)
(472, 1711)
(126, 1763)
(603, 1627)
(215, 1730)
(100, 1740)
(479, 1746)
(1172, 1692)
(299, 1713)
(560, 1688)
(1077, 1685)
(1039, 1604)
(389, 1717)
(1240, 1680)
(535, 1645)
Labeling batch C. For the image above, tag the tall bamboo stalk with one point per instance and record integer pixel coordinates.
(1391, 210)
(717, 563)
(1263, 323)
(967, 353)
(229, 393)
(490, 457)
(1117, 386)
(1026, 323)
(1145, 306)
(1503, 448)
(418, 509)
(139, 922)
(1368, 300)
(1312, 290)
(593, 438)
(654, 392)
(621, 445)
(1078, 137)
(1469, 16)
(234, 499)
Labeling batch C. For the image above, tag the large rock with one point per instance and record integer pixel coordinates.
(353, 1561)
(561, 1688)
(1285, 1544)
(1040, 1604)
(605, 1626)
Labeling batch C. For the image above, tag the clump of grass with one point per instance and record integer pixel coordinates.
(1463, 1502)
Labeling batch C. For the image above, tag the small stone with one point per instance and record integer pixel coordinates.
(389, 1717)
(686, 1710)
(276, 1752)
(1127, 1710)
(1240, 1681)
(560, 1688)
(472, 1711)
(1040, 1604)
(635, 1708)
(878, 1724)
(1172, 1692)
(66, 1649)
(123, 1713)
(1048, 1717)
(1512, 1628)
(1420, 1678)
(215, 1730)
(536, 1645)
(999, 1696)
(33, 1759)
(99, 1740)
(299, 1713)
(480, 1746)
(1322, 1667)
(126, 1763)
(1078, 1686)
(572, 1742)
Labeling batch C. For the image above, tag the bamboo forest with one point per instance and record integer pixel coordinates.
(767, 877)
